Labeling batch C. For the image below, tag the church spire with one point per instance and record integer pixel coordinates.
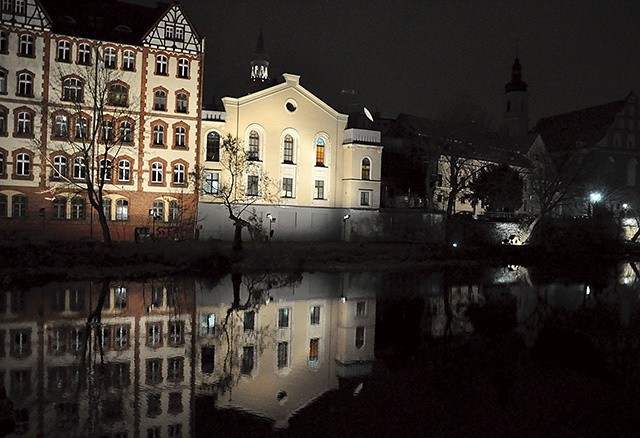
(516, 84)
(259, 78)
(516, 108)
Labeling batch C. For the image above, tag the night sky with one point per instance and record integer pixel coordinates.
(416, 56)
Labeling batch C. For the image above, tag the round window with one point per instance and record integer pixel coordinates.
(291, 106)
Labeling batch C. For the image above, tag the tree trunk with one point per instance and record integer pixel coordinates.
(237, 237)
(104, 225)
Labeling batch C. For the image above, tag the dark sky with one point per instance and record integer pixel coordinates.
(414, 56)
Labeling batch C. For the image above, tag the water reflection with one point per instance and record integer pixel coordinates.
(126, 359)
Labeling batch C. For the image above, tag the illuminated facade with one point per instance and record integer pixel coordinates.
(322, 168)
(151, 60)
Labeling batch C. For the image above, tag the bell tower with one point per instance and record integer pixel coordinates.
(259, 78)
(516, 103)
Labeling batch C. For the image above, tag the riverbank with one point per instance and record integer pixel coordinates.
(64, 261)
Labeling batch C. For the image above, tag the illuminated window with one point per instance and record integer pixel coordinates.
(59, 166)
(314, 347)
(288, 149)
(320, 152)
(64, 51)
(157, 173)
(122, 210)
(366, 168)
(79, 168)
(124, 171)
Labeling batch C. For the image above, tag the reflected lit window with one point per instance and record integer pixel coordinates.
(154, 371)
(75, 339)
(175, 333)
(154, 334)
(57, 340)
(21, 342)
(121, 336)
(314, 346)
(175, 370)
(120, 297)
(359, 337)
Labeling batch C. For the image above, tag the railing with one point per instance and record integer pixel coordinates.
(214, 115)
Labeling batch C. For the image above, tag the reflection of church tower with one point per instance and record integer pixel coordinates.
(516, 103)
(259, 67)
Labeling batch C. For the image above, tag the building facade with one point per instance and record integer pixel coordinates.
(106, 92)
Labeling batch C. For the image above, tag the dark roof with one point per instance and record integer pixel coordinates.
(586, 126)
(106, 20)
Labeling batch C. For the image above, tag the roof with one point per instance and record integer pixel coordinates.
(586, 126)
(107, 20)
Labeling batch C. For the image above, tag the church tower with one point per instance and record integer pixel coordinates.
(259, 78)
(516, 103)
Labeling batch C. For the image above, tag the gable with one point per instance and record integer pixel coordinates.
(174, 31)
(25, 13)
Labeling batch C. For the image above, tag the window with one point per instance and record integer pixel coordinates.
(283, 317)
(110, 57)
(57, 340)
(122, 210)
(59, 166)
(124, 171)
(24, 123)
(249, 320)
(121, 336)
(4, 42)
(23, 165)
(366, 169)
(314, 318)
(77, 208)
(26, 47)
(176, 366)
(181, 103)
(158, 135)
(3, 81)
(211, 183)
(208, 324)
(183, 68)
(154, 334)
(59, 208)
(158, 210)
(175, 402)
(320, 152)
(64, 51)
(365, 198)
(82, 126)
(107, 130)
(175, 333)
(213, 146)
(20, 206)
(128, 60)
(283, 355)
(21, 387)
(61, 127)
(154, 373)
(157, 297)
(181, 137)
(169, 32)
(319, 189)
(314, 345)
(252, 185)
(84, 54)
(21, 343)
(79, 168)
(20, 7)
(106, 208)
(2, 164)
(75, 338)
(160, 100)
(3, 205)
(156, 173)
(25, 84)
(105, 170)
(207, 359)
(72, 90)
(125, 132)
(361, 308)
(254, 146)
(359, 337)
(3, 125)
(161, 65)
(118, 95)
(287, 187)
(248, 352)
(174, 211)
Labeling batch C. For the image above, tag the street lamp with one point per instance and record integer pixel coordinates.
(271, 221)
(344, 226)
(594, 198)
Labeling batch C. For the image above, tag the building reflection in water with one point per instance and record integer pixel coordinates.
(127, 359)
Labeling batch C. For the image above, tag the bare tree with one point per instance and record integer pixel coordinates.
(95, 97)
(247, 183)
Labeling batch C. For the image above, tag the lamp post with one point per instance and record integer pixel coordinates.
(594, 198)
(271, 221)
(344, 226)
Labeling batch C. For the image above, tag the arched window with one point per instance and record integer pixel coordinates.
(213, 146)
(107, 130)
(106, 208)
(320, 152)
(128, 60)
(77, 208)
(254, 146)
(20, 206)
(125, 132)
(25, 123)
(160, 100)
(288, 149)
(72, 90)
(158, 210)
(26, 47)
(2, 164)
(110, 60)
(183, 68)
(158, 135)
(122, 210)
(25, 84)
(156, 173)
(4, 42)
(3, 121)
(84, 54)
(174, 211)
(124, 171)
(366, 168)
(178, 173)
(79, 168)
(82, 126)
(23, 165)
(105, 170)
(64, 51)
(3, 81)
(161, 65)
(61, 128)
(118, 95)
(59, 208)
(181, 137)
(59, 166)
(181, 103)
